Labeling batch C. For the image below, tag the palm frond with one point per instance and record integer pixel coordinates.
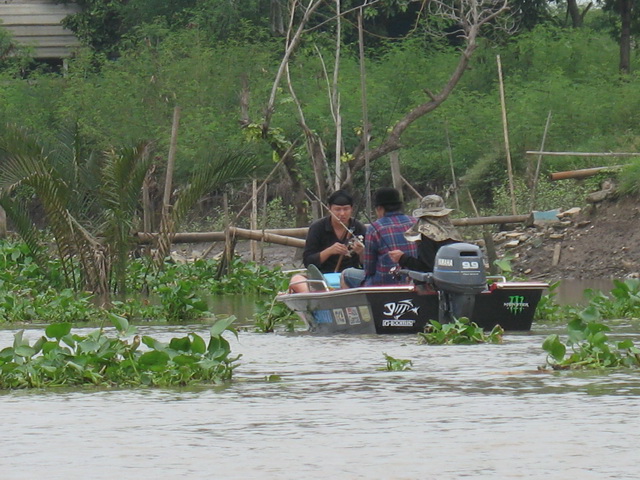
(217, 172)
(19, 216)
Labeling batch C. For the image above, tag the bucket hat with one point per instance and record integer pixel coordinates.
(433, 221)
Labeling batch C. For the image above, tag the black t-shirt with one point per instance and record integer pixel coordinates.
(321, 236)
(427, 249)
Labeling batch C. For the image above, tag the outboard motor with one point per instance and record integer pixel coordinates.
(458, 275)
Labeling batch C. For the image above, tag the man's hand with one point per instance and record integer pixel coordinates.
(395, 255)
(337, 249)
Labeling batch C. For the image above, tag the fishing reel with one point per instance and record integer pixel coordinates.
(353, 241)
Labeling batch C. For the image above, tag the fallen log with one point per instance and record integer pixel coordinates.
(494, 220)
(287, 236)
(583, 173)
(206, 237)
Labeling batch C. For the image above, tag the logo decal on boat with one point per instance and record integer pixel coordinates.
(338, 314)
(398, 323)
(396, 310)
(516, 304)
(323, 316)
(353, 315)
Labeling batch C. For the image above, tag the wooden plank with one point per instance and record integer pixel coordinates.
(29, 31)
(34, 9)
(42, 42)
(52, 52)
(32, 19)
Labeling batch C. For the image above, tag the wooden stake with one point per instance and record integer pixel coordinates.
(556, 254)
(488, 241)
(365, 117)
(537, 174)
(171, 160)
(396, 176)
(506, 138)
(254, 218)
(453, 172)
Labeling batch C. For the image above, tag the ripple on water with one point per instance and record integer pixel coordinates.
(480, 411)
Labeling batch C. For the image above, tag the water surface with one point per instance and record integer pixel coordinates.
(480, 412)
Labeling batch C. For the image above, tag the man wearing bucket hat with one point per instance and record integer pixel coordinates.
(383, 236)
(432, 230)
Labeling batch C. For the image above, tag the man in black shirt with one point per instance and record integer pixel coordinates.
(332, 242)
(432, 230)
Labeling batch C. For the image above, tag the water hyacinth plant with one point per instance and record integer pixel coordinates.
(589, 346)
(61, 358)
(396, 364)
(462, 331)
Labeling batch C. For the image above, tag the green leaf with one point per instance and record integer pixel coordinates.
(181, 344)
(184, 360)
(198, 345)
(120, 323)
(25, 351)
(554, 347)
(153, 358)
(58, 330)
(221, 325)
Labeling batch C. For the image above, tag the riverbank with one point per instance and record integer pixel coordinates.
(601, 241)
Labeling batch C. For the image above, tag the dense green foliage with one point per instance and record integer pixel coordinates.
(462, 331)
(198, 54)
(177, 293)
(588, 346)
(621, 302)
(61, 358)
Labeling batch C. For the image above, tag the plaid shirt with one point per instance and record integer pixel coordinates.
(384, 235)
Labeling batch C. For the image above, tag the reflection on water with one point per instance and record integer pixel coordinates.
(571, 291)
(480, 412)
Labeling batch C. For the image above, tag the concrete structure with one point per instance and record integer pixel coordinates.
(37, 23)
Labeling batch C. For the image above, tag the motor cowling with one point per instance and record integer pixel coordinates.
(458, 275)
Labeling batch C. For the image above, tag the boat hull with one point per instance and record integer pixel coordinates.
(403, 309)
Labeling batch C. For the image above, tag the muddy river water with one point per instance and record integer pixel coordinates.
(480, 412)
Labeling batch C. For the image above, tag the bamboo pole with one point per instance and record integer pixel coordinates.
(488, 240)
(537, 172)
(453, 171)
(171, 161)
(505, 129)
(582, 173)
(396, 176)
(583, 154)
(295, 236)
(254, 217)
(365, 117)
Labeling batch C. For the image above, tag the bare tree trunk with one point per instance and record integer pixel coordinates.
(276, 17)
(626, 7)
(3, 223)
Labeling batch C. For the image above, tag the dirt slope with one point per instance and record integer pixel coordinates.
(602, 241)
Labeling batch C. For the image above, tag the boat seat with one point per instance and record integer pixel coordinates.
(316, 280)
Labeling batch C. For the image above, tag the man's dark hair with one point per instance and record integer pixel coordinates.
(388, 198)
(340, 197)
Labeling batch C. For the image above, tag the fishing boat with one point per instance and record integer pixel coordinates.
(458, 287)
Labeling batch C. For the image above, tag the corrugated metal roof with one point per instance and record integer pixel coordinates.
(37, 23)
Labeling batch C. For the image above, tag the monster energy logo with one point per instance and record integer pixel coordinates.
(516, 304)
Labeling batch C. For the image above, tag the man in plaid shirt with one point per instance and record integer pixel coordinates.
(383, 235)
